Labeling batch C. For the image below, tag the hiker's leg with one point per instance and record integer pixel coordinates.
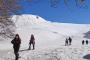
(17, 56)
(15, 53)
(29, 46)
(33, 46)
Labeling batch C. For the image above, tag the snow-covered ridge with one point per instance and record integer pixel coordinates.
(28, 19)
(35, 19)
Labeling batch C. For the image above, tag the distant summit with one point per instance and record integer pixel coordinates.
(28, 19)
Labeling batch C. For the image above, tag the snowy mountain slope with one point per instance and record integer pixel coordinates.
(31, 21)
(50, 39)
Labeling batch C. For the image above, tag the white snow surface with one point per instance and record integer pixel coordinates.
(50, 40)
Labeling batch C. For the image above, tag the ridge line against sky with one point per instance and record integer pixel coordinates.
(63, 13)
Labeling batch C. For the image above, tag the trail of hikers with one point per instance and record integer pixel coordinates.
(52, 54)
(66, 51)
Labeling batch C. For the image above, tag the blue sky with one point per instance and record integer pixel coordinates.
(63, 13)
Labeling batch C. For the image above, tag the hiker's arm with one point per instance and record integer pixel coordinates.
(12, 41)
(20, 41)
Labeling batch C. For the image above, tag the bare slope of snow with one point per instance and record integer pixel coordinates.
(50, 39)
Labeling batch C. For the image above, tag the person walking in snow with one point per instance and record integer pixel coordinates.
(32, 41)
(70, 40)
(83, 42)
(16, 45)
(86, 42)
(66, 42)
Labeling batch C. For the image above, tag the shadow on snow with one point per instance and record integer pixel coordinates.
(87, 57)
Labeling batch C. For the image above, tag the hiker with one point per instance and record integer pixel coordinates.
(83, 42)
(37, 17)
(66, 42)
(86, 42)
(16, 45)
(32, 41)
(70, 40)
